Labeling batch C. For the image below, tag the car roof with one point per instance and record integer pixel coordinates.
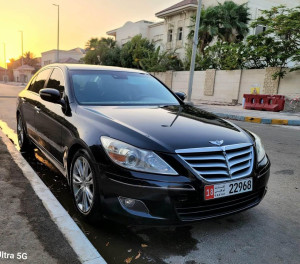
(93, 67)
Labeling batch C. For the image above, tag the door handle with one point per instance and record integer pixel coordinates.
(37, 109)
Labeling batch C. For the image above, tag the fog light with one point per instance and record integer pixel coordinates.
(133, 204)
(129, 202)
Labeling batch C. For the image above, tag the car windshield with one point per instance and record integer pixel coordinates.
(102, 87)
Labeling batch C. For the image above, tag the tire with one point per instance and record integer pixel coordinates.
(84, 185)
(23, 140)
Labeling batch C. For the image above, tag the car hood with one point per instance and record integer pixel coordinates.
(169, 128)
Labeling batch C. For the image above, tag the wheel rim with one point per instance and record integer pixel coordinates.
(83, 186)
(20, 131)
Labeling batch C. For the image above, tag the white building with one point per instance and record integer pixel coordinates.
(23, 73)
(3, 74)
(122, 34)
(65, 56)
(171, 32)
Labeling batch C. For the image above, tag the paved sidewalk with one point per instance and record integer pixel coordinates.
(25, 225)
(238, 113)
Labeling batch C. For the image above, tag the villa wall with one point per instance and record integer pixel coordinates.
(228, 86)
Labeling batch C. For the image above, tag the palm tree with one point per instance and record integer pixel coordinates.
(92, 44)
(110, 42)
(208, 28)
(233, 20)
(226, 22)
(95, 43)
(97, 50)
(29, 59)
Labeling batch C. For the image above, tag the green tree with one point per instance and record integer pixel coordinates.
(94, 43)
(233, 20)
(279, 43)
(29, 59)
(157, 61)
(202, 62)
(221, 56)
(227, 56)
(208, 28)
(112, 57)
(134, 51)
(91, 44)
(276, 46)
(110, 42)
(138, 53)
(97, 50)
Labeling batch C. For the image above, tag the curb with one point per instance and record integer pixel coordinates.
(260, 120)
(83, 248)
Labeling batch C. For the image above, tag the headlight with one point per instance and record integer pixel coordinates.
(134, 158)
(260, 151)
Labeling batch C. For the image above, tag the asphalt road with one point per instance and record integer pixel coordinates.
(268, 233)
(8, 100)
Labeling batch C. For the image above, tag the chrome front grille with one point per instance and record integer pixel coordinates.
(220, 162)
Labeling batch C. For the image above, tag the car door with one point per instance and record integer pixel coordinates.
(48, 120)
(27, 108)
(32, 103)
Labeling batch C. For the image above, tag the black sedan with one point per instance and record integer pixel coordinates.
(134, 152)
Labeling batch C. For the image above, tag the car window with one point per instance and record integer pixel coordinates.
(39, 81)
(31, 84)
(119, 88)
(56, 81)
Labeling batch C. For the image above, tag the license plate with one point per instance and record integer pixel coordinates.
(227, 188)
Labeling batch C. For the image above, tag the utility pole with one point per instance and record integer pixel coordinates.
(5, 63)
(21, 44)
(4, 55)
(195, 44)
(57, 56)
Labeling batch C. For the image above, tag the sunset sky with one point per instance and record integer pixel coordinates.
(79, 21)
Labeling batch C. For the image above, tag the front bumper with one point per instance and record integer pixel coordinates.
(175, 200)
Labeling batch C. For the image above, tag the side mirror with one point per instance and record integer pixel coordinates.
(51, 95)
(181, 95)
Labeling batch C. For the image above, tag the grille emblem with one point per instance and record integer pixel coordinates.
(217, 142)
(227, 163)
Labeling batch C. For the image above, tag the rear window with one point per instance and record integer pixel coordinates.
(119, 88)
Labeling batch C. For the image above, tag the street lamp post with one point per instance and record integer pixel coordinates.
(21, 44)
(57, 56)
(5, 63)
(195, 44)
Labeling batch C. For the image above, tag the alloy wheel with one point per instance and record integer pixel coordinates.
(83, 185)
(20, 131)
